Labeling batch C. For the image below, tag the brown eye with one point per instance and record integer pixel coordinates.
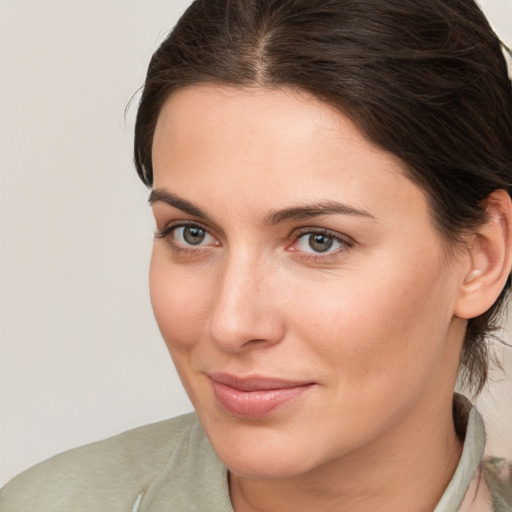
(188, 235)
(193, 235)
(320, 242)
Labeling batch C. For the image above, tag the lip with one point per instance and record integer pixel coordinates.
(254, 397)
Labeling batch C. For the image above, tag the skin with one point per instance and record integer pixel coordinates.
(373, 321)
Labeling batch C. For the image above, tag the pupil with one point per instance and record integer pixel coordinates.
(320, 243)
(193, 235)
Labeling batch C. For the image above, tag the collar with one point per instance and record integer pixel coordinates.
(196, 479)
(467, 490)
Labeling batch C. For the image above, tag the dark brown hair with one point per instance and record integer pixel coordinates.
(423, 79)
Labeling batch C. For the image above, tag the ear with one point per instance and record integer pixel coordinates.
(489, 258)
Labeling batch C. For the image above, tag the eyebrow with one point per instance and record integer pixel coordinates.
(161, 196)
(314, 210)
(301, 212)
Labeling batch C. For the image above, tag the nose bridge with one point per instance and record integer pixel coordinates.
(243, 310)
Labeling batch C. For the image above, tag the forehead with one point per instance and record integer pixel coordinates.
(258, 124)
(276, 145)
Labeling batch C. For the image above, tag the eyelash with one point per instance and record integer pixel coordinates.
(345, 242)
(171, 227)
(164, 234)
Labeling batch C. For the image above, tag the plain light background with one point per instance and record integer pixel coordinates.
(81, 357)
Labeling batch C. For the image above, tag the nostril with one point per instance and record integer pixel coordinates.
(247, 330)
(256, 341)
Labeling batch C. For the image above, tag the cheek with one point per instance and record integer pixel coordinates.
(179, 302)
(377, 329)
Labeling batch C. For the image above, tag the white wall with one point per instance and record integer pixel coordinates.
(80, 355)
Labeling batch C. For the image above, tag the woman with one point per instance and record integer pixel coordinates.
(330, 184)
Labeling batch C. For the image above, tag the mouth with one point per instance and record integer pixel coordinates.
(254, 397)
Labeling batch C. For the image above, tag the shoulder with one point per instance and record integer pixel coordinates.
(498, 474)
(106, 475)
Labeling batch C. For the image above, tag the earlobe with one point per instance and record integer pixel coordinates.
(489, 258)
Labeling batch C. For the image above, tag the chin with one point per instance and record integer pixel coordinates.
(265, 465)
(262, 452)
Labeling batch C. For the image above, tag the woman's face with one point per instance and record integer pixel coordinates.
(298, 281)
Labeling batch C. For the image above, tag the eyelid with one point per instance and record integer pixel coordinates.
(345, 241)
(163, 212)
(298, 233)
(174, 225)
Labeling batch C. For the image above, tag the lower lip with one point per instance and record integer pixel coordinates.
(255, 404)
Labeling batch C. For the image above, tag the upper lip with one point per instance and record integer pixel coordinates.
(255, 382)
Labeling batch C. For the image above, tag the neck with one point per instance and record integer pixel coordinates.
(406, 469)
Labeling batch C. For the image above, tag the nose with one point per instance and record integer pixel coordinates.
(246, 311)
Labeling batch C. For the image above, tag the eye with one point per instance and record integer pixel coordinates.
(319, 242)
(191, 235)
(187, 236)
